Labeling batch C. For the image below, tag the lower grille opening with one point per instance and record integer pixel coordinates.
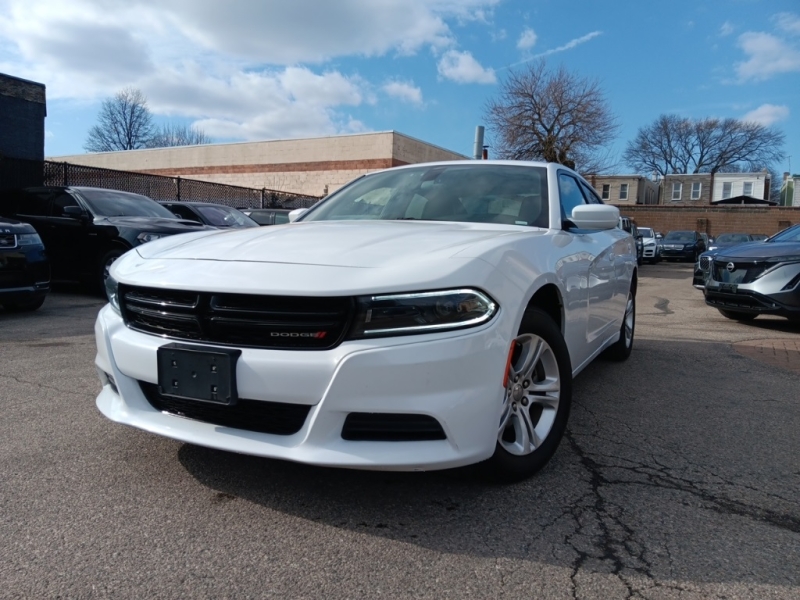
(391, 427)
(278, 418)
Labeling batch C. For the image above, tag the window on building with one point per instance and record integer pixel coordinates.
(727, 188)
(676, 191)
(748, 188)
(606, 191)
(623, 191)
(697, 188)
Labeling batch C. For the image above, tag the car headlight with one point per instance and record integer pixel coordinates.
(29, 239)
(145, 237)
(421, 312)
(649, 243)
(112, 292)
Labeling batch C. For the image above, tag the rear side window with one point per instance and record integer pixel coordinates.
(281, 218)
(34, 203)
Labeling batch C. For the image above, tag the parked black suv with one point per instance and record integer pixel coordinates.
(85, 229)
(24, 268)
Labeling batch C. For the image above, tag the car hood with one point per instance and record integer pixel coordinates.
(328, 258)
(151, 224)
(14, 226)
(357, 244)
(759, 251)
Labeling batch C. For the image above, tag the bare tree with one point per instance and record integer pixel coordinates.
(673, 144)
(171, 134)
(552, 115)
(124, 123)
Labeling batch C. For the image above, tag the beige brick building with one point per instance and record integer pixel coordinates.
(624, 189)
(313, 166)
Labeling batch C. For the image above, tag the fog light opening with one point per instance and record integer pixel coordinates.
(111, 382)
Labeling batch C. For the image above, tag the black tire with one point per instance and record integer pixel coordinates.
(24, 306)
(505, 466)
(105, 263)
(621, 349)
(737, 316)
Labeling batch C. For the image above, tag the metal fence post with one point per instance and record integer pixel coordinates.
(65, 168)
(178, 188)
(263, 194)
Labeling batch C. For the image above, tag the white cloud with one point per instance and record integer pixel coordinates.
(407, 92)
(527, 40)
(767, 114)
(768, 56)
(461, 67)
(788, 22)
(243, 69)
(726, 29)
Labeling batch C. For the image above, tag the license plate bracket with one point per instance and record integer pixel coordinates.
(198, 373)
(728, 288)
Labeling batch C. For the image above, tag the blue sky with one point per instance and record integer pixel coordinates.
(257, 70)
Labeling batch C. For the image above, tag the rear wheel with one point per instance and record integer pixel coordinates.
(621, 349)
(537, 400)
(736, 315)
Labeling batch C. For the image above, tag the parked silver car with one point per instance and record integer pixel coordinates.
(748, 280)
(651, 245)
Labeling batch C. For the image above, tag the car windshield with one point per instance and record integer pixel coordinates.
(467, 192)
(787, 235)
(646, 232)
(110, 203)
(680, 236)
(225, 216)
(732, 238)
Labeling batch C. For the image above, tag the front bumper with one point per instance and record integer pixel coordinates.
(682, 254)
(456, 378)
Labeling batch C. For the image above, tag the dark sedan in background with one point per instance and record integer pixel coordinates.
(85, 229)
(213, 215)
(24, 268)
(682, 245)
(748, 280)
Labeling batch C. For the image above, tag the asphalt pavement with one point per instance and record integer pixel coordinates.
(679, 477)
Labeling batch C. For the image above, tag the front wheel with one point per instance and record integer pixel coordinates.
(536, 402)
(105, 265)
(737, 316)
(24, 306)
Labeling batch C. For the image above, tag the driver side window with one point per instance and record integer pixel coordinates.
(60, 202)
(569, 194)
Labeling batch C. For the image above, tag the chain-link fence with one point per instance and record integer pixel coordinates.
(18, 173)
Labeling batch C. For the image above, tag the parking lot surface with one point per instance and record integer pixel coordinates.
(679, 477)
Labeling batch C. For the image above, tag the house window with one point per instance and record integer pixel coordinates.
(676, 191)
(606, 191)
(623, 191)
(697, 187)
(726, 189)
(748, 188)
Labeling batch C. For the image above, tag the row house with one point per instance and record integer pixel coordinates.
(690, 189)
(625, 189)
(790, 190)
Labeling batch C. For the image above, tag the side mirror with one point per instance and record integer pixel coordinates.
(296, 214)
(75, 212)
(595, 216)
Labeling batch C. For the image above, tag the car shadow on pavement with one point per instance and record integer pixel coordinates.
(652, 479)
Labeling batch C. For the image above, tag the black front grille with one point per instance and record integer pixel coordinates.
(251, 415)
(244, 320)
(733, 301)
(742, 272)
(8, 240)
(391, 427)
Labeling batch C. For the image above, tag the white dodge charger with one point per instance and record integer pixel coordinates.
(422, 317)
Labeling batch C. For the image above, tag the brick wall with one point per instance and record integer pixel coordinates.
(714, 220)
